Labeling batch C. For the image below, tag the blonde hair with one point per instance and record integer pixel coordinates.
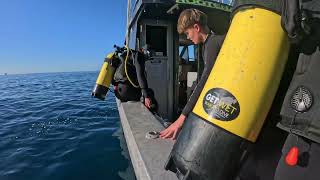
(189, 17)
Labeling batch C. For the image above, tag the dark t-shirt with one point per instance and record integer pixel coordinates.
(210, 51)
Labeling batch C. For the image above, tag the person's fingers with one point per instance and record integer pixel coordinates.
(164, 131)
(169, 135)
(174, 135)
(165, 134)
(147, 102)
(162, 137)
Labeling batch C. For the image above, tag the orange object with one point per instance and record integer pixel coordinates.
(292, 156)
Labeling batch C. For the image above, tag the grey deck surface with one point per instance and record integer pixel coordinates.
(148, 156)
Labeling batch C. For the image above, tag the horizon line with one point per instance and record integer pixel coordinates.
(7, 74)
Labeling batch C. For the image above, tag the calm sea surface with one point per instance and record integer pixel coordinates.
(51, 129)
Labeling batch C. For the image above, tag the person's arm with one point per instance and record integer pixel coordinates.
(210, 57)
(139, 64)
(211, 52)
(173, 130)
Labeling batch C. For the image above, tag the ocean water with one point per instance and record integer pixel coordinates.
(52, 129)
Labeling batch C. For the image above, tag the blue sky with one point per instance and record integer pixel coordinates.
(59, 35)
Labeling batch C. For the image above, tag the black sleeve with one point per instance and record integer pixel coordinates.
(210, 54)
(139, 64)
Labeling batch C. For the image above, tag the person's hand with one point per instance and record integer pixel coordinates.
(147, 102)
(173, 130)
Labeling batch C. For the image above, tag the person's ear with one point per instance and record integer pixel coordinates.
(196, 27)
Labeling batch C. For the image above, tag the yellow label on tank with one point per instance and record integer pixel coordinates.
(240, 89)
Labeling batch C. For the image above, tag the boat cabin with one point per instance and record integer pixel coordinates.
(176, 63)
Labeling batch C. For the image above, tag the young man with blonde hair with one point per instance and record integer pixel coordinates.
(193, 23)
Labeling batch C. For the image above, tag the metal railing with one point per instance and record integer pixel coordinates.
(229, 2)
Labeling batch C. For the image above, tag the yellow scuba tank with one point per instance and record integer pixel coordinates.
(236, 98)
(105, 77)
(241, 87)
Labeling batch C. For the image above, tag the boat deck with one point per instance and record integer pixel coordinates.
(148, 156)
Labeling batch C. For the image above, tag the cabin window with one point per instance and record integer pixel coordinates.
(183, 53)
(187, 53)
(191, 53)
(156, 38)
